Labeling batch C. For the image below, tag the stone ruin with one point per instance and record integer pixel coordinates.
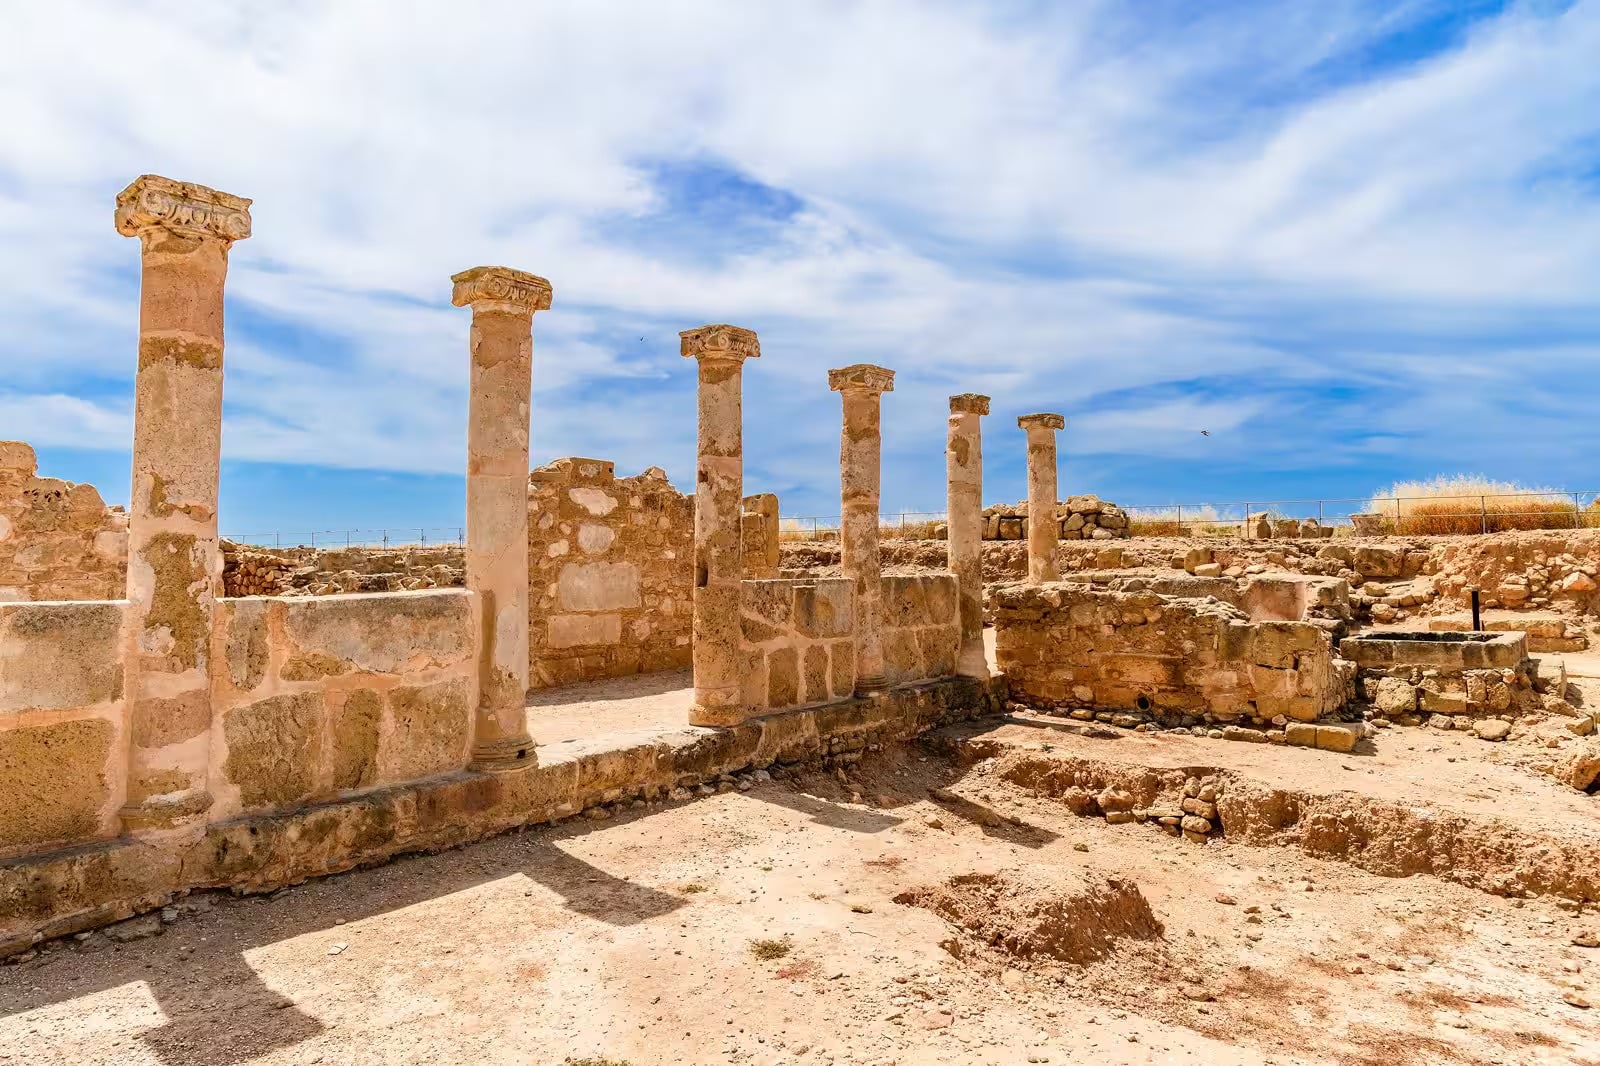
(58, 540)
(1079, 517)
(158, 733)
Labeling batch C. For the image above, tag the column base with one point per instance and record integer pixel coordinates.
(717, 716)
(161, 813)
(509, 753)
(875, 685)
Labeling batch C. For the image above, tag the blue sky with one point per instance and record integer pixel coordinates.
(1356, 242)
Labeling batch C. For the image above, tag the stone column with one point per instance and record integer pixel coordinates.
(719, 489)
(1044, 528)
(174, 563)
(503, 302)
(963, 461)
(861, 387)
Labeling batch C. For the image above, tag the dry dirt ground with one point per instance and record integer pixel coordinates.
(904, 911)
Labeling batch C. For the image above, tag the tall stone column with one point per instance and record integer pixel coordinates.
(963, 461)
(861, 387)
(174, 562)
(503, 302)
(718, 535)
(1044, 528)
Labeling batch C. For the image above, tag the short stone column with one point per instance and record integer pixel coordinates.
(718, 533)
(503, 302)
(1044, 528)
(963, 460)
(861, 388)
(174, 562)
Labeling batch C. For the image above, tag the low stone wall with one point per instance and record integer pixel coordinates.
(799, 641)
(62, 723)
(611, 563)
(318, 697)
(921, 626)
(58, 540)
(1172, 660)
(254, 571)
(1081, 518)
(61, 892)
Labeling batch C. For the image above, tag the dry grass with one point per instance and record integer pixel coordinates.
(1465, 503)
(767, 950)
(1160, 527)
(911, 530)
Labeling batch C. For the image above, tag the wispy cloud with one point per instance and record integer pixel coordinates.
(1351, 239)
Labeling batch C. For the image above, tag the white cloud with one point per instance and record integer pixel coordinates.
(1055, 205)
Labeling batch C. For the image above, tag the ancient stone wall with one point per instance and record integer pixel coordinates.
(610, 566)
(323, 696)
(254, 571)
(921, 626)
(58, 540)
(1189, 660)
(1081, 518)
(798, 642)
(62, 721)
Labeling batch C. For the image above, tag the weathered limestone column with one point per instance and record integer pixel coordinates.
(1044, 528)
(174, 563)
(503, 302)
(718, 534)
(963, 460)
(860, 456)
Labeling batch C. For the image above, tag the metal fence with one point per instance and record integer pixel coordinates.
(1415, 515)
(394, 537)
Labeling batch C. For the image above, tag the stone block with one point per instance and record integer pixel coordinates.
(783, 678)
(1341, 737)
(577, 630)
(598, 586)
(54, 780)
(1300, 734)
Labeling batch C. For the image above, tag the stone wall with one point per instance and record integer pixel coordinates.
(799, 636)
(58, 540)
(799, 642)
(1190, 660)
(921, 626)
(255, 571)
(62, 721)
(1081, 518)
(320, 697)
(610, 567)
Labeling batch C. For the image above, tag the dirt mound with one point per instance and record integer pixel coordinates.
(1028, 916)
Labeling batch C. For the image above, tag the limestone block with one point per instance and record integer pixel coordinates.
(59, 656)
(431, 728)
(54, 780)
(598, 586)
(1394, 696)
(593, 500)
(576, 630)
(382, 632)
(1300, 734)
(1339, 737)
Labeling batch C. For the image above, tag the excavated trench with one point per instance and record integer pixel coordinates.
(1382, 837)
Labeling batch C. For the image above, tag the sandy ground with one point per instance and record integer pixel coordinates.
(631, 941)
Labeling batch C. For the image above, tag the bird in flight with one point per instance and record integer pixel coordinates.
(1205, 433)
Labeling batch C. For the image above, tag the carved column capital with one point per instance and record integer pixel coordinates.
(1041, 421)
(182, 208)
(496, 288)
(969, 403)
(720, 341)
(861, 377)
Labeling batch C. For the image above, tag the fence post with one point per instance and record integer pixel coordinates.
(386, 540)
(275, 543)
(1245, 525)
(423, 535)
(1399, 526)
(1319, 518)
(1577, 512)
(1483, 514)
